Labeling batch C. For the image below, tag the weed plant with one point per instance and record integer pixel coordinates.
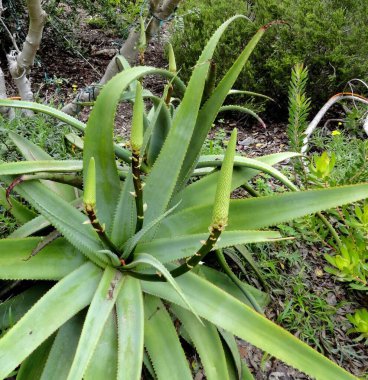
(40, 130)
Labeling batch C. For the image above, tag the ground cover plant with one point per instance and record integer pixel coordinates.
(122, 250)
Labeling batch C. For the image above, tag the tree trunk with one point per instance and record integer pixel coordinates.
(3, 110)
(20, 63)
(160, 11)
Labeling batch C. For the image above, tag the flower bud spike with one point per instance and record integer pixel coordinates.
(172, 60)
(223, 190)
(136, 137)
(89, 195)
(142, 43)
(142, 37)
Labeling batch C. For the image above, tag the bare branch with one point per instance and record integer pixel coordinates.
(14, 42)
(37, 18)
(20, 64)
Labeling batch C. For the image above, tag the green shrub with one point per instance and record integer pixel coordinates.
(325, 35)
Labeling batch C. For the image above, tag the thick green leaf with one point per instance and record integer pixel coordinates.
(98, 142)
(47, 315)
(223, 281)
(242, 109)
(44, 109)
(203, 191)
(207, 342)
(62, 352)
(230, 345)
(14, 308)
(161, 124)
(130, 318)
(148, 366)
(216, 161)
(103, 364)
(247, 256)
(102, 303)
(162, 342)
(142, 234)
(32, 152)
(210, 109)
(21, 213)
(26, 167)
(66, 219)
(250, 93)
(230, 314)
(252, 213)
(123, 226)
(166, 250)
(54, 262)
(31, 227)
(33, 366)
(120, 152)
(37, 224)
(165, 172)
(246, 374)
(75, 140)
(146, 259)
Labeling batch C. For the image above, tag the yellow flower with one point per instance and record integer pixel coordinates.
(336, 133)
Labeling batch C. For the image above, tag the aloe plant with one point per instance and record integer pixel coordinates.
(121, 269)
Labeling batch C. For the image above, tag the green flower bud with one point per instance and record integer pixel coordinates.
(136, 136)
(172, 61)
(142, 38)
(89, 195)
(223, 190)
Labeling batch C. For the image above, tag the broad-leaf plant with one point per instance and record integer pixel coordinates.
(117, 245)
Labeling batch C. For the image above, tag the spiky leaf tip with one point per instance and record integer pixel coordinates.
(172, 60)
(223, 190)
(136, 137)
(89, 195)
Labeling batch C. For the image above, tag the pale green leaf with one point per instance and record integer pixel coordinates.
(27, 167)
(147, 259)
(210, 109)
(103, 364)
(203, 191)
(162, 342)
(21, 213)
(130, 321)
(54, 262)
(253, 213)
(171, 249)
(63, 349)
(207, 342)
(101, 306)
(74, 225)
(47, 315)
(123, 226)
(179, 137)
(14, 308)
(230, 314)
(32, 152)
(33, 366)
